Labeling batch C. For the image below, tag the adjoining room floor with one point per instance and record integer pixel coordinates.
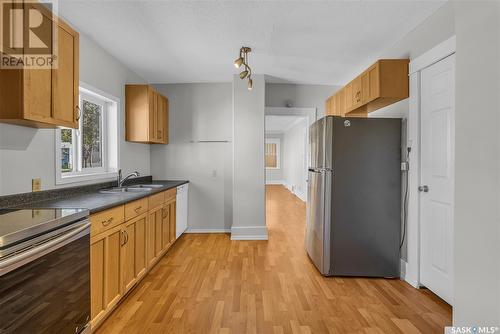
(209, 284)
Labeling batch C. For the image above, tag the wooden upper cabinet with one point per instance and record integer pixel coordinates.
(357, 98)
(146, 115)
(44, 98)
(382, 84)
(340, 102)
(65, 79)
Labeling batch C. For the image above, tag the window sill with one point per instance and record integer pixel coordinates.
(76, 178)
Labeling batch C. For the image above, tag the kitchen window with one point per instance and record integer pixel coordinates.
(272, 153)
(91, 151)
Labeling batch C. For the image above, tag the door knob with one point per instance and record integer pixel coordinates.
(424, 189)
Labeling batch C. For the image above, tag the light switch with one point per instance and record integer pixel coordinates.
(36, 184)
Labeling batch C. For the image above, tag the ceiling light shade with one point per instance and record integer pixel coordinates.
(238, 62)
(242, 60)
(243, 74)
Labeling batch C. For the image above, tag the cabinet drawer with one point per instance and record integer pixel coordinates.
(170, 194)
(107, 219)
(156, 200)
(135, 208)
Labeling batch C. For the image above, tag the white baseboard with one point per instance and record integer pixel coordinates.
(249, 233)
(405, 277)
(271, 182)
(208, 230)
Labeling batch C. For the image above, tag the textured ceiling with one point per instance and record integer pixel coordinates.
(317, 42)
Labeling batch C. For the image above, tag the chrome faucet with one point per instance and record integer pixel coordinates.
(121, 180)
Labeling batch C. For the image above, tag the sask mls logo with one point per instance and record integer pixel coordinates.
(28, 36)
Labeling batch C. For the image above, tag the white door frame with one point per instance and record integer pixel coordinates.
(410, 270)
(310, 113)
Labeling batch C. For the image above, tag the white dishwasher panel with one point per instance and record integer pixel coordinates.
(181, 216)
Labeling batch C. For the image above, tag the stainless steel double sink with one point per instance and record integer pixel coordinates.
(136, 188)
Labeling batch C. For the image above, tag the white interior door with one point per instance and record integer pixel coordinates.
(437, 177)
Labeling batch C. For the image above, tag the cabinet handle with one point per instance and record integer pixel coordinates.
(164, 213)
(138, 209)
(126, 237)
(107, 222)
(122, 238)
(78, 113)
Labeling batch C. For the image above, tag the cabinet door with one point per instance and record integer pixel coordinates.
(166, 226)
(97, 277)
(134, 250)
(373, 82)
(105, 272)
(128, 256)
(165, 123)
(172, 222)
(140, 246)
(357, 98)
(150, 238)
(159, 118)
(65, 79)
(158, 232)
(153, 111)
(37, 96)
(155, 219)
(348, 97)
(365, 87)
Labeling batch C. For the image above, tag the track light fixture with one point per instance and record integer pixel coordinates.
(243, 60)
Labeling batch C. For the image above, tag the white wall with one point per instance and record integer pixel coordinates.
(275, 176)
(295, 172)
(248, 164)
(27, 153)
(477, 167)
(199, 112)
(302, 96)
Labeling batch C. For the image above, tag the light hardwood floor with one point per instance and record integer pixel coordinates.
(209, 284)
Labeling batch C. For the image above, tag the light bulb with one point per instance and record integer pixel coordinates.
(238, 62)
(243, 74)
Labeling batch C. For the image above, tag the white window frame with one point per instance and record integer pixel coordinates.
(109, 137)
(276, 141)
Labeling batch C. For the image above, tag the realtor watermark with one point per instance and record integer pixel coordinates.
(28, 34)
(471, 330)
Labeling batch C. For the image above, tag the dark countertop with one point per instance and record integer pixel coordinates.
(96, 201)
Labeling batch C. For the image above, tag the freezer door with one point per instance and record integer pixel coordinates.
(318, 219)
(321, 143)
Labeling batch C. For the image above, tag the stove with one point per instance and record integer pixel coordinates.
(44, 271)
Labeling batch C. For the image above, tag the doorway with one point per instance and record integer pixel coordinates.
(286, 155)
(431, 136)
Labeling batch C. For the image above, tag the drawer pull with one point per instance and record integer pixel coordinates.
(164, 213)
(138, 209)
(107, 222)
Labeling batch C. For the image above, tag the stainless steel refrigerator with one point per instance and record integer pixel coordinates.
(354, 196)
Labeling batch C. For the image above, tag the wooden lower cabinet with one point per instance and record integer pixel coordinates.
(120, 255)
(134, 261)
(105, 278)
(166, 226)
(154, 226)
(173, 212)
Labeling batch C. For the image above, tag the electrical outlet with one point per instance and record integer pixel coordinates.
(36, 184)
